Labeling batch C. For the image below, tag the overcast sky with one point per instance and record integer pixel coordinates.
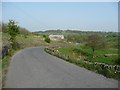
(94, 16)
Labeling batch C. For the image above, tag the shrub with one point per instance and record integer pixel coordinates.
(47, 39)
(81, 51)
(117, 61)
(44, 36)
(104, 71)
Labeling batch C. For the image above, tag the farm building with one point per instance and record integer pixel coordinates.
(56, 37)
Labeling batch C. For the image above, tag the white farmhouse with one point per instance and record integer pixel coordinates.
(56, 37)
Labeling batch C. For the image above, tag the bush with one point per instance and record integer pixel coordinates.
(117, 61)
(47, 40)
(98, 69)
(44, 36)
(82, 52)
(104, 71)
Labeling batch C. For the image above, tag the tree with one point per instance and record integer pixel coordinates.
(95, 42)
(13, 31)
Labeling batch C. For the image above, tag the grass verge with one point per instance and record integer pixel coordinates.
(95, 68)
(5, 64)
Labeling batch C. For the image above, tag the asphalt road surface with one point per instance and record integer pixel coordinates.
(34, 68)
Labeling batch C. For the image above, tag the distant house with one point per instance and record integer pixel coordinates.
(56, 37)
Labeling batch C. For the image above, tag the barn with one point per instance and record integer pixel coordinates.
(56, 37)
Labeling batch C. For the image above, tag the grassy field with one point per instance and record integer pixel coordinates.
(107, 60)
(99, 53)
(30, 41)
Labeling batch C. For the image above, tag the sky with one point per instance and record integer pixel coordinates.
(41, 16)
(60, 0)
(0, 7)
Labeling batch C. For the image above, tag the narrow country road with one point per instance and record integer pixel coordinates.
(34, 68)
